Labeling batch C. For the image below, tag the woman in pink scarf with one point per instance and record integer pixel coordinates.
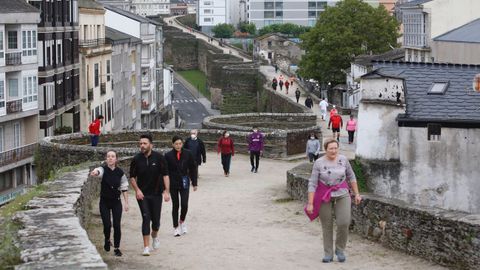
(328, 194)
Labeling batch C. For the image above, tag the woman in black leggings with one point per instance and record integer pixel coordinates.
(114, 183)
(182, 170)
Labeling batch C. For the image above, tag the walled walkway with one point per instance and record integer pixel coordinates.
(245, 221)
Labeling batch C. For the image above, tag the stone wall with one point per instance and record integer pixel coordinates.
(449, 238)
(52, 236)
(180, 49)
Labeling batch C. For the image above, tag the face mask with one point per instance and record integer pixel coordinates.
(193, 136)
(312, 138)
(255, 130)
(227, 135)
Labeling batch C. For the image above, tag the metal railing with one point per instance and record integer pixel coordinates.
(85, 43)
(12, 59)
(14, 106)
(17, 154)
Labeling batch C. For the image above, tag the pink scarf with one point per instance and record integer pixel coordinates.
(323, 195)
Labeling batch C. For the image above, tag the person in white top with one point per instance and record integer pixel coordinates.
(323, 108)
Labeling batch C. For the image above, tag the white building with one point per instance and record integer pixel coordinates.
(19, 97)
(212, 12)
(151, 7)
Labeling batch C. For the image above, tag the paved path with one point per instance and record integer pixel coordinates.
(189, 108)
(241, 222)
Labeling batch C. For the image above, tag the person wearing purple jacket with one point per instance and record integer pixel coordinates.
(255, 148)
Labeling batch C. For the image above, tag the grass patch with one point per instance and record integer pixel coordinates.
(197, 79)
(361, 178)
(284, 200)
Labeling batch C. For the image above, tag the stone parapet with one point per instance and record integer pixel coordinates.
(449, 238)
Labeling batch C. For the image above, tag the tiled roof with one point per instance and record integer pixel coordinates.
(120, 37)
(16, 6)
(459, 102)
(468, 33)
(397, 54)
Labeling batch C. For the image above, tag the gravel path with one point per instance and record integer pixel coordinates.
(246, 221)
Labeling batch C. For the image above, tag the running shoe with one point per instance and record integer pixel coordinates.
(183, 227)
(107, 245)
(146, 251)
(156, 243)
(118, 253)
(177, 232)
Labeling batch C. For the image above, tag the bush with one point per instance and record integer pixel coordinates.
(247, 28)
(63, 130)
(289, 29)
(223, 30)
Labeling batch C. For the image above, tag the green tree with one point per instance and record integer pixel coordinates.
(223, 30)
(288, 29)
(342, 32)
(245, 27)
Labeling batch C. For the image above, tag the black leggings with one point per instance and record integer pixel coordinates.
(151, 208)
(226, 158)
(255, 154)
(174, 192)
(115, 207)
(350, 136)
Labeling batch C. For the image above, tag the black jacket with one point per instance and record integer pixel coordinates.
(186, 166)
(309, 102)
(201, 155)
(149, 172)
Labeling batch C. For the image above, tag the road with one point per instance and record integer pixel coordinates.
(188, 106)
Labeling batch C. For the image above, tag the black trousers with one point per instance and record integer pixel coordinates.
(256, 155)
(175, 193)
(350, 136)
(151, 208)
(226, 159)
(109, 208)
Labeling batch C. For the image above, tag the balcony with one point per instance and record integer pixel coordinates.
(13, 59)
(90, 94)
(89, 43)
(14, 106)
(103, 88)
(17, 154)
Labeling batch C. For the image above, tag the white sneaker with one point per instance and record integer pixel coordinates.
(183, 228)
(156, 243)
(146, 251)
(177, 232)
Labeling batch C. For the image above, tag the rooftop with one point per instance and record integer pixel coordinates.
(131, 15)
(16, 6)
(414, 3)
(458, 103)
(90, 4)
(119, 37)
(468, 33)
(397, 54)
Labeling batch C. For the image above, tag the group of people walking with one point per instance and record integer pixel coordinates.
(281, 82)
(157, 178)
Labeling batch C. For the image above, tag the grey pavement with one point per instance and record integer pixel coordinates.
(189, 108)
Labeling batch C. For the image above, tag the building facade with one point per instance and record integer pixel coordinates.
(95, 67)
(126, 62)
(58, 67)
(279, 50)
(212, 12)
(19, 96)
(151, 7)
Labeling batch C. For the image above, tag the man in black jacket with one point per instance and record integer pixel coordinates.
(197, 147)
(182, 170)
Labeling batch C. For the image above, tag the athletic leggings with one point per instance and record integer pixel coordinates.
(255, 154)
(115, 207)
(226, 159)
(151, 208)
(174, 192)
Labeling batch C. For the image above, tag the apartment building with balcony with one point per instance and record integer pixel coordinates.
(58, 66)
(96, 93)
(211, 13)
(151, 77)
(423, 20)
(126, 62)
(151, 7)
(19, 96)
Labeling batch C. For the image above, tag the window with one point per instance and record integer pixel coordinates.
(2, 139)
(268, 5)
(108, 70)
(96, 75)
(312, 14)
(59, 53)
(438, 88)
(321, 5)
(278, 14)
(268, 14)
(109, 110)
(269, 44)
(6, 180)
(30, 89)
(2, 95)
(29, 43)
(13, 88)
(207, 11)
(312, 4)
(1, 44)
(279, 5)
(19, 176)
(16, 135)
(434, 132)
(207, 3)
(12, 40)
(207, 19)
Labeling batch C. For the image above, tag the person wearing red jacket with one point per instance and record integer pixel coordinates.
(94, 130)
(337, 123)
(227, 151)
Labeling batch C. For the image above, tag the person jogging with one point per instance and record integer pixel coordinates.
(255, 148)
(197, 147)
(297, 95)
(337, 123)
(149, 179)
(114, 182)
(94, 130)
(182, 170)
(226, 148)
